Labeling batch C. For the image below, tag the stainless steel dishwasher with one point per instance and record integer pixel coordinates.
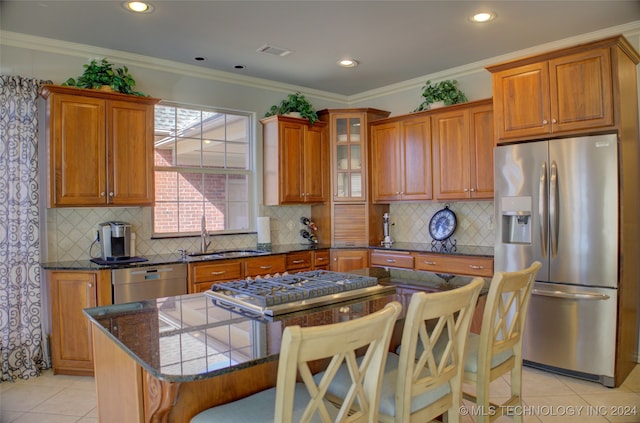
(148, 282)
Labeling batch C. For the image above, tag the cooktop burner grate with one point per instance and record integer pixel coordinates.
(277, 294)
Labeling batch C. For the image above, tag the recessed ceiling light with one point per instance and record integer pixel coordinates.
(483, 17)
(348, 63)
(138, 6)
(200, 59)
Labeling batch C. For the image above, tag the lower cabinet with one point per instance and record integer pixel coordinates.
(203, 275)
(71, 337)
(456, 264)
(349, 259)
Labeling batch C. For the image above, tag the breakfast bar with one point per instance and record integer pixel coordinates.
(167, 359)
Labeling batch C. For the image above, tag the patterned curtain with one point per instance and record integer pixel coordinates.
(21, 343)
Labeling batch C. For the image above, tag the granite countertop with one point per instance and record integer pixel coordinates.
(188, 337)
(159, 259)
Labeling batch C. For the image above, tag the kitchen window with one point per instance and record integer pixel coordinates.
(203, 166)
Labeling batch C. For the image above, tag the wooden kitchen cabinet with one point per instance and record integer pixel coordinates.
(295, 161)
(401, 159)
(456, 264)
(100, 148)
(203, 275)
(299, 261)
(463, 142)
(71, 337)
(265, 265)
(347, 259)
(321, 260)
(396, 259)
(564, 91)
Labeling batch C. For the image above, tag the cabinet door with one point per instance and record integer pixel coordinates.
(349, 157)
(451, 155)
(130, 153)
(350, 223)
(581, 91)
(315, 163)
(291, 162)
(78, 151)
(481, 144)
(346, 260)
(385, 164)
(521, 101)
(415, 166)
(267, 265)
(71, 350)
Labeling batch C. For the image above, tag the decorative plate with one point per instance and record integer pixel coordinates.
(442, 224)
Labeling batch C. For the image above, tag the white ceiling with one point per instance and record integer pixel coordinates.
(394, 40)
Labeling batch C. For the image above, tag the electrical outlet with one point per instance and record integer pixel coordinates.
(291, 225)
(490, 224)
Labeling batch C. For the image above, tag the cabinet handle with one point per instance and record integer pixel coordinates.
(391, 261)
(554, 121)
(90, 285)
(544, 122)
(475, 266)
(473, 190)
(320, 259)
(111, 194)
(466, 189)
(102, 194)
(297, 261)
(265, 267)
(219, 273)
(430, 263)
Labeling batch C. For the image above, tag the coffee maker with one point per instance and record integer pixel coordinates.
(115, 239)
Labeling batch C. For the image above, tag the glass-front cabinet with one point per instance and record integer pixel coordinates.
(349, 155)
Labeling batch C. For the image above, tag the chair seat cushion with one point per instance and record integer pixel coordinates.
(471, 359)
(259, 408)
(342, 382)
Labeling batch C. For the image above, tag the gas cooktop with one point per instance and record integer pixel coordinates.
(272, 295)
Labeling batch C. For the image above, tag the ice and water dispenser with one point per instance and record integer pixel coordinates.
(516, 220)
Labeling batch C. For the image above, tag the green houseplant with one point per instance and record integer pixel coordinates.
(98, 74)
(296, 103)
(446, 91)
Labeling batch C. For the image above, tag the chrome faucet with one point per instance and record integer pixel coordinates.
(205, 242)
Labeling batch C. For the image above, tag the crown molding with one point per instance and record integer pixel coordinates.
(65, 48)
(48, 45)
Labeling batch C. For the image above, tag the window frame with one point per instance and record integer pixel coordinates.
(250, 172)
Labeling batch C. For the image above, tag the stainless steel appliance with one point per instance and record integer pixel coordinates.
(557, 202)
(288, 293)
(148, 282)
(115, 240)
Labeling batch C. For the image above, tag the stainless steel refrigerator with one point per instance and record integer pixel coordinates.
(557, 202)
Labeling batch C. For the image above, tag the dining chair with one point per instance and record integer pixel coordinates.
(304, 402)
(419, 384)
(497, 350)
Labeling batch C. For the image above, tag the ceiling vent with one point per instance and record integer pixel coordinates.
(276, 51)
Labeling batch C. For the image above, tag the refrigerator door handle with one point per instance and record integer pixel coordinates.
(543, 213)
(569, 295)
(553, 209)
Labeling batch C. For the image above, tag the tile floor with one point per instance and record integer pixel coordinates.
(548, 398)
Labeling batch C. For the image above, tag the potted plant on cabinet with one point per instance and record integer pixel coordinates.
(446, 92)
(101, 74)
(294, 103)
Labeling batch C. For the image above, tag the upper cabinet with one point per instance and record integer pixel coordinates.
(348, 138)
(401, 159)
(100, 148)
(295, 161)
(463, 142)
(562, 92)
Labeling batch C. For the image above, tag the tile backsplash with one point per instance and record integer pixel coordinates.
(71, 231)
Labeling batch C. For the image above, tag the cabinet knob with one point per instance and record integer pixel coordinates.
(544, 122)
(473, 190)
(465, 190)
(554, 121)
(90, 285)
(111, 194)
(102, 194)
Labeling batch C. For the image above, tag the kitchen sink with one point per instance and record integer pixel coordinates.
(225, 254)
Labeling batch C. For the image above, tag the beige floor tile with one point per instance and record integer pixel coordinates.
(48, 418)
(615, 406)
(24, 397)
(7, 416)
(537, 383)
(632, 382)
(560, 409)
(88, 420)
(70, 402)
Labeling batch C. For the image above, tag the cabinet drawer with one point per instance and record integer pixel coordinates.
(321, 259)
(400, 259)
(212, 272)
(257, 266)
(299, 261)
(460, 265)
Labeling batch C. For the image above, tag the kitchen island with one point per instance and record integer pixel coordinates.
(167, 359)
